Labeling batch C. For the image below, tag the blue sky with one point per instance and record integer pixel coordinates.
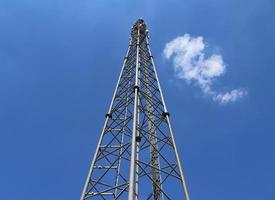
(59, 62)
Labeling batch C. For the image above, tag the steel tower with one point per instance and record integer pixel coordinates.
(136, 157)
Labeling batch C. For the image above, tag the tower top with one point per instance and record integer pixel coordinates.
(140, 21)
(139, 25)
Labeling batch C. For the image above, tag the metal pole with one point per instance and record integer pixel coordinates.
(138, 145)
(104, 126)
(133, 150)
(170, 129)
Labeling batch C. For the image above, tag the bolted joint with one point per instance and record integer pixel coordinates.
(136, 87)
(109, 115)
(138, 138)
(165, 114)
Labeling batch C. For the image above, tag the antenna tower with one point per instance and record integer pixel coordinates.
(136, 157)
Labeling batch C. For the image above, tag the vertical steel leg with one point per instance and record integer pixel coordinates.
(134, 134)
(104, 127)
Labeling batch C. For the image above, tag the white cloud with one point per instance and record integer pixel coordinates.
(192, 65)
(230, 96)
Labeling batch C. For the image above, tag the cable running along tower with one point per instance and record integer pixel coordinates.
(136, 157)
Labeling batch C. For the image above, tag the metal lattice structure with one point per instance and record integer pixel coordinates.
(136, 157)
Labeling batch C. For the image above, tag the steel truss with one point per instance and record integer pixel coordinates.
(136, 157)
